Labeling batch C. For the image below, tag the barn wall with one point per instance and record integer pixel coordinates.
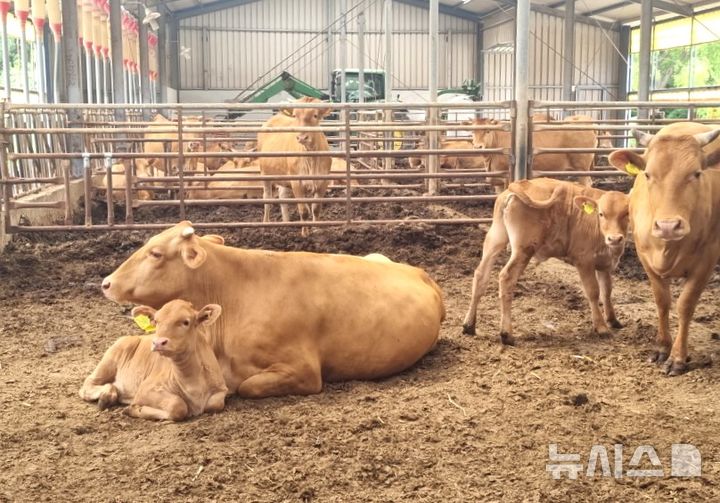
(243, 47)
(595, 61)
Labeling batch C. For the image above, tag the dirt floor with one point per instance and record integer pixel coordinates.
(471, 422)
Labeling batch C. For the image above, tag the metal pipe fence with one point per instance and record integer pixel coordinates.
(194, 160)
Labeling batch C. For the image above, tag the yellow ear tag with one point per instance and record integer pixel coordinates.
(142, 321)
(588, 208)
(632, 169)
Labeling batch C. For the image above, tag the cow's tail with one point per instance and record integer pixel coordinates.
(516, 190)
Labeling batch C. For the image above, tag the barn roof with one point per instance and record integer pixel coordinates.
(614, 11)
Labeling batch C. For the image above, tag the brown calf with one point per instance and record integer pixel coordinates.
(170, 375)
(546, 218)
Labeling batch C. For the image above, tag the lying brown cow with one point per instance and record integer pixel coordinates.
(292, 320)
(451, 161)
(493, 138)
(546, 218)
(170, 375)
(228, 189)
(295, 142)
(675, 215)
(119, 180)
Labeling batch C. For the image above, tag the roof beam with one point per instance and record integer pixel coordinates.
(606, 8)
(207, 8)
(674, 8)
(444, 9)
(578, 18)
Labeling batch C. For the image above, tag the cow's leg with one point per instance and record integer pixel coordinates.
(676, 364)
(592, 292)
(285, 193)
(605, 280)
(158, 405)
(216, 402)
(507, 280)
(282, 379)
(99, 385)
(661, 292)
(267, 194)
(495, 242)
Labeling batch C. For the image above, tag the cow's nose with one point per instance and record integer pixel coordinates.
(106, 284)
(614, 239)
(302, 138)
(669, 229)
(159, 343)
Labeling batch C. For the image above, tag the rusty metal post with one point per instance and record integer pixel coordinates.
(87, 179)
(4, 170)
(348, 153)
(66, 183)
(181, 164)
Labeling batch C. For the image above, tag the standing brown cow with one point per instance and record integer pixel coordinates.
(563, 161)
(296, 142)
(546, 218)
(675, 216)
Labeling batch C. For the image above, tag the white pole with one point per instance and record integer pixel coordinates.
(522, 36)
(433, 90)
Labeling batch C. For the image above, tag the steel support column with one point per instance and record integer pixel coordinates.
(522, 37)
(569, 51)
(646, 28)
(162, 59)
(144, 69)
(116, 57)
(433, 29)
(361, 56)
(71, 91)
(388, 14)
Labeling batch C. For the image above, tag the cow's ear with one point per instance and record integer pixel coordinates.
(586, 204)
(208, 314)
(191, 252)
(214, 238)
(627, 161)
(140, 310)
(712, 158)
(324, 112)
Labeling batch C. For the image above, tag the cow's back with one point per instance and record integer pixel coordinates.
(360, 319)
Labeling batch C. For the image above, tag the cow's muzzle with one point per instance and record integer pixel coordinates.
(614, 240)
(304, 139)
(670, 229)
(159, 344)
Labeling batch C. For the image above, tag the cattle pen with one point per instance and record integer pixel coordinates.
(362, 251)
(37, 160)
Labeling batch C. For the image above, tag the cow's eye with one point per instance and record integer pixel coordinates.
(186, 323)
(647, 176)
(697, 174)
(601, 215)
(155, 254)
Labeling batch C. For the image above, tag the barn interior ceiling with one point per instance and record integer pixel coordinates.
(617, 11)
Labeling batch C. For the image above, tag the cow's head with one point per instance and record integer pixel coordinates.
(165, 268)
(485, 138)
(178, 325)
(612, 211)
(671, 174)
(308, 117)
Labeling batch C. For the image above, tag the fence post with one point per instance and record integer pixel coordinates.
(5, 171)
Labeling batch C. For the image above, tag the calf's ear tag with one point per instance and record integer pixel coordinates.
(143, 321)
(632, 169)
(588, 208)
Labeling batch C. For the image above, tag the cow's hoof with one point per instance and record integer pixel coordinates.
(658, 357)
(108, 399)
(615, 323)
(468, 329)
(507, 339)
(674, 368)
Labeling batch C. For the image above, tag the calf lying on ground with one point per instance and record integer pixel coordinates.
(172, 374)
(546, 218)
